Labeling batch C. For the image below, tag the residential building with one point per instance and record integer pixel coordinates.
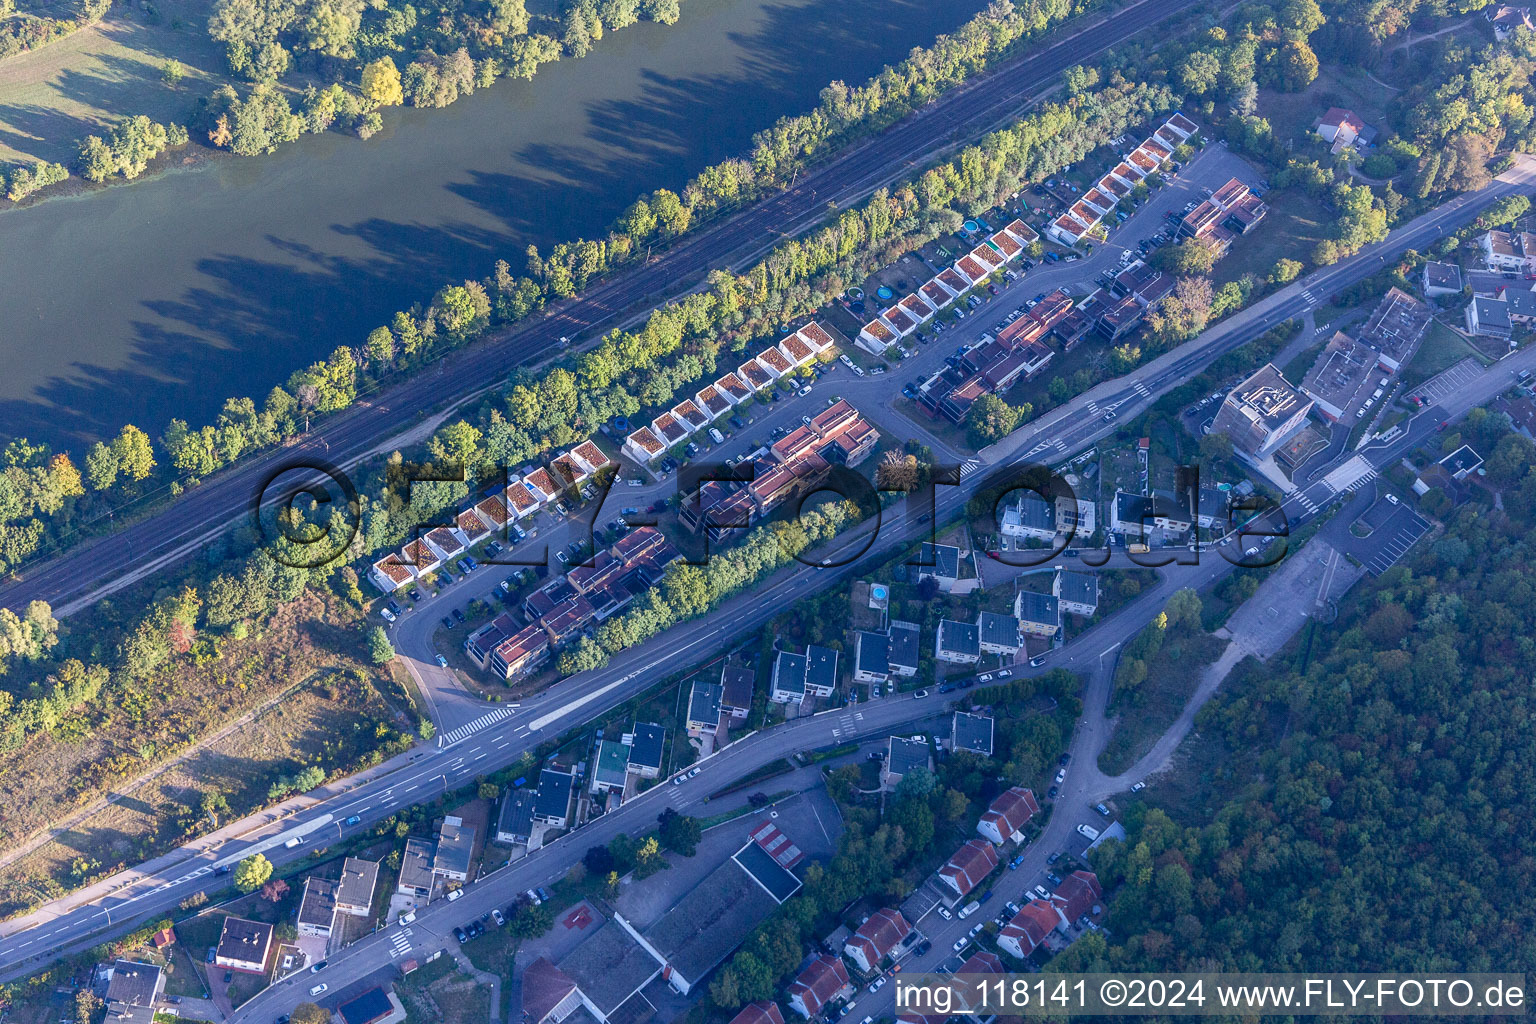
(1489, 318)
(788, 682)
(514, 824)
(902, 755)
(877, 938)
(1076, 896)
(1341, 128)
(354, 893)
(375, 1006)
(1009, 812)
(871, 657)
(969, 866)
(823, 980)
(548, 993)
(610, 767)
(647, 744)
(1508, 250)
(1028, 929)
(1032, 517)
(1439, 279)
(762, 1012)
(1262, 413)
(903, 652)
(455, 846)
(317, 908)
(1139, 515)
(704, 708)
(1076, 593)
(971, 732)
(133, 988)
(957, 643)
(1037, 614)
(1462, 462)
(416, 868)
(941, 563)
(1506, 19)
(820, 670)
(736, 685)
(998, 634)
(244, 946)
(552, 803)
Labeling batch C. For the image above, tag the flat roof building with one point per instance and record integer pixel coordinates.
(1262, 413)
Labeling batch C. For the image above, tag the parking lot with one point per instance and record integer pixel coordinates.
(1395, 529)
(1447, 382)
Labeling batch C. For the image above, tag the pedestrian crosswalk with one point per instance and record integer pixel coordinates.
(1306, 293)
(1305, 501)
(400, 943)
(1368, 476)
(968, 467)
(1141, 389)
(848, 724)
(453, 736)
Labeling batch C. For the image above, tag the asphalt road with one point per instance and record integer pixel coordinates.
(505, 733)
(70, 581)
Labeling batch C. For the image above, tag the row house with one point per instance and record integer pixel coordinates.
(968, 867)
(881, 934)
(1008, 813)
(715, 400)
(796, 464)
(1101, 199)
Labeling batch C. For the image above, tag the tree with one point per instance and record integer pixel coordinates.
(135, 453)
(309, 1013)
(172, 71)
(380, 84)
(1199, 73)
(380, 650)
(990, 419)
(1192, 256)
(531, 921)
(1285, 271)
(101, 466)
(598, 859)
(252, 872)
(680, 832)
(274, 890)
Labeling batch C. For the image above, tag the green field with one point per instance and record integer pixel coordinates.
(52, 97)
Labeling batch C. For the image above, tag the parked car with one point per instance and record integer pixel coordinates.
(945, 914)
(1101, 809)
(961, 943)
(498, 917)
(459, 935)
(319, 989)
(1138, 787)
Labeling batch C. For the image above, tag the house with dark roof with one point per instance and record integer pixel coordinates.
(133, 988)
(514, 824)
(704, 707)
(416, 868)
(317, 908)
(610, 767)
(877, 938)
(904, 649)
(788, 681)
(354, 893)
(823, 980)
(374, 1006)
(552, 805)
(455, 846)
(1438, 279)
(971, 732)
(1505, 19)
(997, 634)
(903, 755)
(244, 946)
(820, 670)
(647, 744)
(1037, 614)
(1076, 593)
(1462, 462)
(1008, 812)
(941, 563)
(736, 685)
(968, 867)
(1489, 318)
(957, 643)
(871, 661)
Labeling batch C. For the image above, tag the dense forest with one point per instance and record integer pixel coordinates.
(1380, 818)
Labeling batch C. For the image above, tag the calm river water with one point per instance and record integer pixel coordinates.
(160, 299)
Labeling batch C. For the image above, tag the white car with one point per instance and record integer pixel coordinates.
(319, 989)
(457, 894)
(945, 914)
(1138, 787)
(1088, 831)
(877, 984)
(1060, 776)
(961, 943)
(694, 772)
(977, 929)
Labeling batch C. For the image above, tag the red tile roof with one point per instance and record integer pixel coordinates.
(821, 980)
(764, 1012)
(646, 440)
(816, 336)
(1031, 925)
(774, 359)
(880, 934)
(591, 454)
(1077, 894)
(970, 864)
(1012, 810)
(493, 510)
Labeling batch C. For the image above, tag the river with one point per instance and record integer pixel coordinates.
(159, 299)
